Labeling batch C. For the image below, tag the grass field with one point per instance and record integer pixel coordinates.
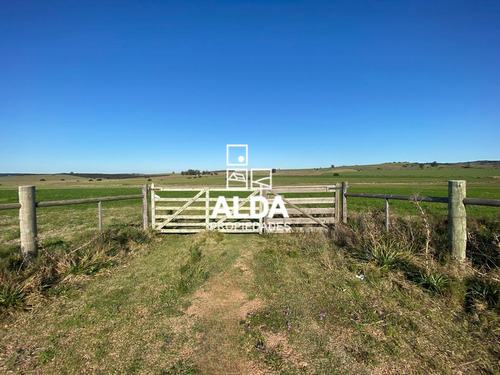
(229, 304)
(483, 181)
(356, 301)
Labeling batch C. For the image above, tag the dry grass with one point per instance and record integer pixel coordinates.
(233, 304)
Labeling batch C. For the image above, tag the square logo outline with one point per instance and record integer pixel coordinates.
(241, 164)
(261, 186)
(244, 178)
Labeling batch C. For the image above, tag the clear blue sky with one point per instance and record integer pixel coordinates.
(160, 86)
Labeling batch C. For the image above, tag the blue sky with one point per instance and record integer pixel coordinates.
(161, 86)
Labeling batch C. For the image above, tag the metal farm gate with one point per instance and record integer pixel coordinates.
(189, 210)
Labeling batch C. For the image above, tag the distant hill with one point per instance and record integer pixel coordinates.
(114, 176)
(493, 164)
(16, 174)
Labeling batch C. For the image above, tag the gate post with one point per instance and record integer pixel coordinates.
(153, 207)
(207, 210)
(345, 185)
(145, 208)
(264, 224)
(337, 203)
(457, 219)
(27, 222)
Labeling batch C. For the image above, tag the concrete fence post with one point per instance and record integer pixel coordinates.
(457, 219)
(27, 222)
(344, 202)
(145, 208)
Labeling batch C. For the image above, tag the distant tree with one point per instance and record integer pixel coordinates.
(273, 170)
(99, 179)
(434, 164)
(333, 166)
(421, 165)
(150, 179)
(191, 172)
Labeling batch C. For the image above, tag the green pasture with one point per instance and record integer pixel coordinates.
(482, 182)
(360, 302)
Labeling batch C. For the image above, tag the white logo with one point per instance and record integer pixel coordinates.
(278, 207)
(237, 178)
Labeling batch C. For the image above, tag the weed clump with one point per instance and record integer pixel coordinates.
(417, 247)
(434, 281)
(482, 292)
(59, 262)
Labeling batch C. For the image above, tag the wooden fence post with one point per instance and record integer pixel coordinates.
(337, 203)
(27, 222)
(153, 207)
(145, 208)
(99, 209)
(457, 219)
(344, 202)
(387, 215)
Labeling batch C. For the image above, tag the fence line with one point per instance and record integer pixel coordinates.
(9, 206)
(399, 197)
(456, 200)
(27, 213)
(69, 202)
(457, 216)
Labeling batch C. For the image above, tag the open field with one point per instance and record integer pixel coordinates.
(483, 181)
(357, 301)
(229, 304)
(390, 173)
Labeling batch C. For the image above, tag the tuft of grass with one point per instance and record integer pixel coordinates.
(182, 368)
(385, 254)
(11, 296)
(47, 355)
(481, 290)
(434, 281)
